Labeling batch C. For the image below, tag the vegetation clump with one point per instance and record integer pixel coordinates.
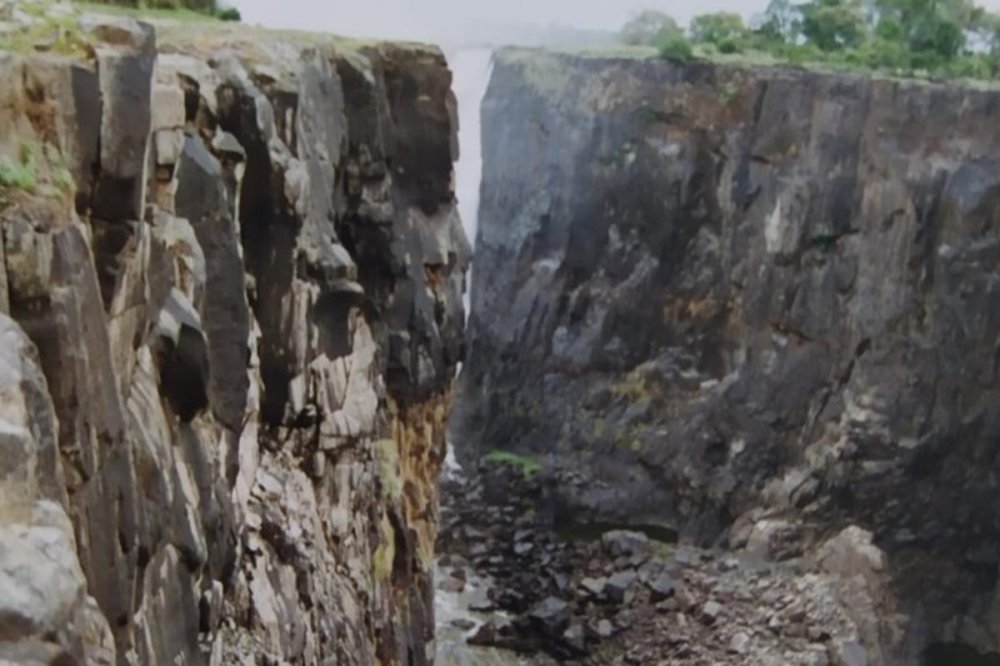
(930, 38)
(525, 465)
(35, 169)
(18, 174)
(388, 466)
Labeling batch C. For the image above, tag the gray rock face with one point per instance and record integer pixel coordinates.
(227, 364)
(45, 611)
(721, 294)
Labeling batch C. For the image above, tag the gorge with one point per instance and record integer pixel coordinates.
(722, 389)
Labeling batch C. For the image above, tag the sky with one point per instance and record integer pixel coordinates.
(455, 21)
(444, 20)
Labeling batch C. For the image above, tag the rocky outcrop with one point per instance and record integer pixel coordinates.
(233, 272)
(754, 305)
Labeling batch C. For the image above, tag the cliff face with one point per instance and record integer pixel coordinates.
(752, 305)
(231, 311)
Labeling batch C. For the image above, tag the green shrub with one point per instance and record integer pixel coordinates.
(825, 242)
(17, 176)
(676, 48)
(229, 14)
(723, 31)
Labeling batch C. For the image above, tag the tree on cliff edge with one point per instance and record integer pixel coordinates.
(941, 38)
(648, 28)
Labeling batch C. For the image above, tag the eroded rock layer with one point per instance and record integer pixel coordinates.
(753, 305)
(231, 312)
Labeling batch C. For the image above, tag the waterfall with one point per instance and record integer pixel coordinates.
(471, 67)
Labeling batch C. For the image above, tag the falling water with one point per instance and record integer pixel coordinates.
(471, 68)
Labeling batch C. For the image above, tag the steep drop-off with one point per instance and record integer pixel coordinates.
(755, 306)
(230, 304)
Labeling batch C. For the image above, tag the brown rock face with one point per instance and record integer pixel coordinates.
(753, 305)
(229, 351)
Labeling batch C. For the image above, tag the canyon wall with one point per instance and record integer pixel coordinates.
(753, 305)
(231, 307)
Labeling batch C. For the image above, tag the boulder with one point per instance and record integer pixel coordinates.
(623, 543)
(710, 612)
(594, 587)
(662, 587)
(849, 653)
(852, 553)
(575, 638)
(620, 587)
(551, 616)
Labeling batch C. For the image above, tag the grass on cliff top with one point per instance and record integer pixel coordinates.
(548, 70)
(526, 465)
(622, 52)
(51, 31)
(249, 39)
(186, 28)
(56, 29)
(55, 26)
(181, 14)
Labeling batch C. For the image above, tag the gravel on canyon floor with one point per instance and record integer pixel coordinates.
(617, 596)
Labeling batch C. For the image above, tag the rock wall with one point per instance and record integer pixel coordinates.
(231, 312)
(754, 305)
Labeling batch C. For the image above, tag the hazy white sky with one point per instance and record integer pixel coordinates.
(420, 18)
(442, 20)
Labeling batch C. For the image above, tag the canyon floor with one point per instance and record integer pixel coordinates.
(545, 589)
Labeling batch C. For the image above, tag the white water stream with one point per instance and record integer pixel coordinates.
(450, 641)
(471, 68)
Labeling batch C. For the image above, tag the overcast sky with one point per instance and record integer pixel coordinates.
(443, 20)
(425, 19)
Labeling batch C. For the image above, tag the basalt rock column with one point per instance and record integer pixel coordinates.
(236, 291)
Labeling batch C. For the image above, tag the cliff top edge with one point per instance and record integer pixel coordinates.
(544, 66)
(44, 27)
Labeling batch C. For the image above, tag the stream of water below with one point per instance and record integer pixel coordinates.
(449, 606)
(451, 646)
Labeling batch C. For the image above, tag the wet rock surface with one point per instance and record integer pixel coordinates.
(753, 305)
(623, 598)
(231, 312)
